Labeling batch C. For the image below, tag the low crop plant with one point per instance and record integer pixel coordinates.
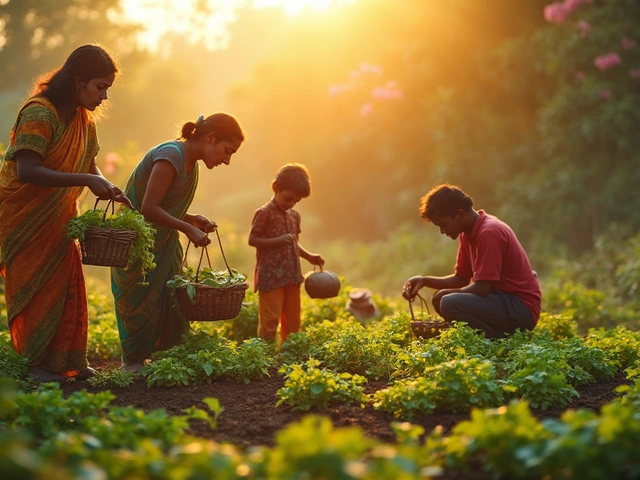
(461, 341)
(361, 351)
(313, 448)
(538, 374)
(297, 348)
(396, 328)
(560, 326)
(620, 345)
(413, 360)
(112, 376)
(506, 441)
(453, 386)
(308, 386)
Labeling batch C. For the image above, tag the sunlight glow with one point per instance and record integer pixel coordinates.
(204, 21)
(294, 7)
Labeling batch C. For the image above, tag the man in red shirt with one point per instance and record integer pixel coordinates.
(493, 287)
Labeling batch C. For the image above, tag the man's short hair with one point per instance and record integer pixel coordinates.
(444, 201)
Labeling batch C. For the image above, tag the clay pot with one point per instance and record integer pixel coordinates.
(322, 284)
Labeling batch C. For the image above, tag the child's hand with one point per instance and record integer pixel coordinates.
(288, 238)
(315, 259)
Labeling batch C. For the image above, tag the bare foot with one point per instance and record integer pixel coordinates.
(132, 367)
(42, 375)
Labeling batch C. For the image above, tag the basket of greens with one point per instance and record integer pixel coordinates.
(114, 240)
(206, 294)
(428, 326)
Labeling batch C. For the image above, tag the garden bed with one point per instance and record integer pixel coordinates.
(250, 415)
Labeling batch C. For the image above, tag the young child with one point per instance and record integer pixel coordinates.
(274, 233)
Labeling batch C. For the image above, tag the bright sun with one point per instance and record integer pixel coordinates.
(162, 19)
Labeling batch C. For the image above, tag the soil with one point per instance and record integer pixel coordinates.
(250, 416)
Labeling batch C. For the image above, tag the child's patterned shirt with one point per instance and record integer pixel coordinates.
(276, 266)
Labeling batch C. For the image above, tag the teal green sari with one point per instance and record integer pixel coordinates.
(147, 318)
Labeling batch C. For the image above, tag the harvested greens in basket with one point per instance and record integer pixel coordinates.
(206, 276)
(124, 219)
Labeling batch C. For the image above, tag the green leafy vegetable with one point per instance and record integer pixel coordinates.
(125, 219)
(206, 276)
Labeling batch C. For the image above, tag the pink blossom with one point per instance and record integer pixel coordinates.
(634, 73)
(366, 110)
(605, 62)
(627, 44)
(556, 12)
(337, 88)
(580, 75)
(381, 93)
(606, 94)
(370, 68)
(584, 28)
(111, 162)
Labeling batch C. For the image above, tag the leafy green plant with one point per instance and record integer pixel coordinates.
(539, 375)
(309, 386)
(455, 386)
(112, 376)
(205, 276)
(141, 253)
(361, 351)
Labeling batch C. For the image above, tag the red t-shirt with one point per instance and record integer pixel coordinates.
(493, 253)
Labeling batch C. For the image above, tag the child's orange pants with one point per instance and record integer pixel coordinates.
(279, 305)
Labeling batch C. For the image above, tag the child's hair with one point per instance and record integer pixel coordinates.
(87, 62)
(225, 126)
(294, 177)
(444, 201)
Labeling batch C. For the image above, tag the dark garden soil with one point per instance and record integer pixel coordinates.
(250, 415)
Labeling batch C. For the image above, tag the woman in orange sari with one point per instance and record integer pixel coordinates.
(49, 161)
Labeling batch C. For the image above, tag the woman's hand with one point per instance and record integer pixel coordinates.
(201, 223)
(197, 237)
(122, 198)
(101, 187)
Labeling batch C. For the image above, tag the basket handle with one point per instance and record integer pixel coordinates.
(111, 203)
(423, 303)
(205, 250)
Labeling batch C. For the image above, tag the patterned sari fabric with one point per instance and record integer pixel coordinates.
(44, 283)
(147, 318)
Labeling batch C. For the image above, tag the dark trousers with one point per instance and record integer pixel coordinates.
(497, 314)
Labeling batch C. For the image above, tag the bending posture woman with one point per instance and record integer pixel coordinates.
(162, 187)
(49, 161)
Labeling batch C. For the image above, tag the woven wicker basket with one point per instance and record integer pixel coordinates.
(424, 328)
(211, 303)
(107, 247)
(428, 329)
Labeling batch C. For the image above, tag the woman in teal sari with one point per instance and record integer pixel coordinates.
(162, 187)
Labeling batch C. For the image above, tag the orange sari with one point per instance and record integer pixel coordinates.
(44, 283)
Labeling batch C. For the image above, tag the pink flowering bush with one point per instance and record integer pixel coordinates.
(605, 62)
(363, 84)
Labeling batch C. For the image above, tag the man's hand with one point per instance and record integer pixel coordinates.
(411, 287)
